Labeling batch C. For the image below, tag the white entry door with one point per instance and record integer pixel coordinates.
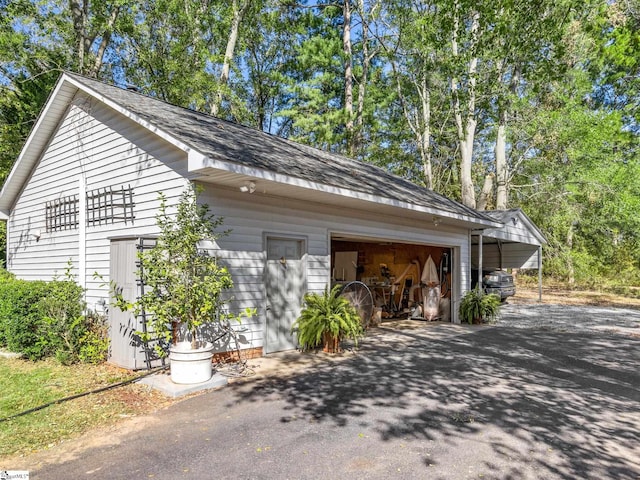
(285, 286)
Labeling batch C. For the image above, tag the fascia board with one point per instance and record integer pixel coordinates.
(198, 162)
(37, 140)
(39, 137)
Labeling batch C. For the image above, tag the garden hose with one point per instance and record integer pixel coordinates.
(228, 331)
(73, 397)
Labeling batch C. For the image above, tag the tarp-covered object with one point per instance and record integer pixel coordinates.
(431, 279)
(430, 275)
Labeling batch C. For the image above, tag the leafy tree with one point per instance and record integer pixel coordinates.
(522, 55)
(267, 63)
(584, 176)
(169, 51)
(474, 100)
(315, 104)
(413, 52)
(616, 68)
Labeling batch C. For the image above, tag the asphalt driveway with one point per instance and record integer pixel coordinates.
(426, 401)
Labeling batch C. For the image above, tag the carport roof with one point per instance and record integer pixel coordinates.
(237, 149)
(516, 227)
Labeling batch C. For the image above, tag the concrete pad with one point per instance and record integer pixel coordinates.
(162, 382)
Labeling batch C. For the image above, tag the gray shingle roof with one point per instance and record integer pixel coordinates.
(250, 147)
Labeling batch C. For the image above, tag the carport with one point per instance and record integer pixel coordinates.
(517, 244)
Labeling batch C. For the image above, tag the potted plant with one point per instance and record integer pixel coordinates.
(478, 307)
(325, 320)
(184, 288)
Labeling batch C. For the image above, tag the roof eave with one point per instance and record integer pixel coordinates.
(36, 142)
(199, 163)
(68, 86)
(47, 122)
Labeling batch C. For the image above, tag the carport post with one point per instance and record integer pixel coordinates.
(479, 284)
(540, 274)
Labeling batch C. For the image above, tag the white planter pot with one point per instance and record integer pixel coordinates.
(189, 365)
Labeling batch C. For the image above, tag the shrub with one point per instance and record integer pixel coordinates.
(22, 328)
(41, 319)
(64, 323)
(94, 344)
(6, 275)
(326, 319)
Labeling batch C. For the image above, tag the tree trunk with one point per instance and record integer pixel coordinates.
(356, 143)
(571, 279)
(85, 38)
(501, 163)
(502, 167)
(238, 14)
(79, 29)
(348, 73)
(466, 127)
(487, 191)
(419, 123)
(104, 43)
(425, 140)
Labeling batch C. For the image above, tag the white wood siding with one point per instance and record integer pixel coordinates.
(514, 255)
(109, 150)
(514, 245)
(253, 217)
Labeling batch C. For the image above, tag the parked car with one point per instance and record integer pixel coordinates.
(495, 281)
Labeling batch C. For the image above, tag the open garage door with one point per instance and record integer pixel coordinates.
(406, 280)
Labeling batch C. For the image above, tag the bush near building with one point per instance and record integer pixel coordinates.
(47, 319)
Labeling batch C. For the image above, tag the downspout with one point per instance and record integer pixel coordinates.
(82, 232)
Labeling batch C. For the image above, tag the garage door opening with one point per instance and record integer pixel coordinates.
(407, 281)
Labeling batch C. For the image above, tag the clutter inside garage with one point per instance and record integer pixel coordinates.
(405, 280)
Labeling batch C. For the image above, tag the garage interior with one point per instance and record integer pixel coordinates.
(406, 281)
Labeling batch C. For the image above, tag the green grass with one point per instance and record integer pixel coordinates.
(26, 385)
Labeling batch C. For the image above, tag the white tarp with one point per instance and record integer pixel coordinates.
(431, 279)
(430, 273)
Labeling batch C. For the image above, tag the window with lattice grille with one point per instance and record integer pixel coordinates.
(110, 205)
(63, 213)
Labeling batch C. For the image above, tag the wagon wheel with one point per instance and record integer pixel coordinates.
(360, 297)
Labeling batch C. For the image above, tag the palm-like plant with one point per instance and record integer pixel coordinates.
(325, 320)
(476, 306)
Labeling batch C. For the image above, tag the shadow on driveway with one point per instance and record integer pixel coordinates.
(442, 402)
(493, 402)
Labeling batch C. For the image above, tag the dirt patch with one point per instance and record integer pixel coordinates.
(556, 295)
(72, 449)
(563, 310)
